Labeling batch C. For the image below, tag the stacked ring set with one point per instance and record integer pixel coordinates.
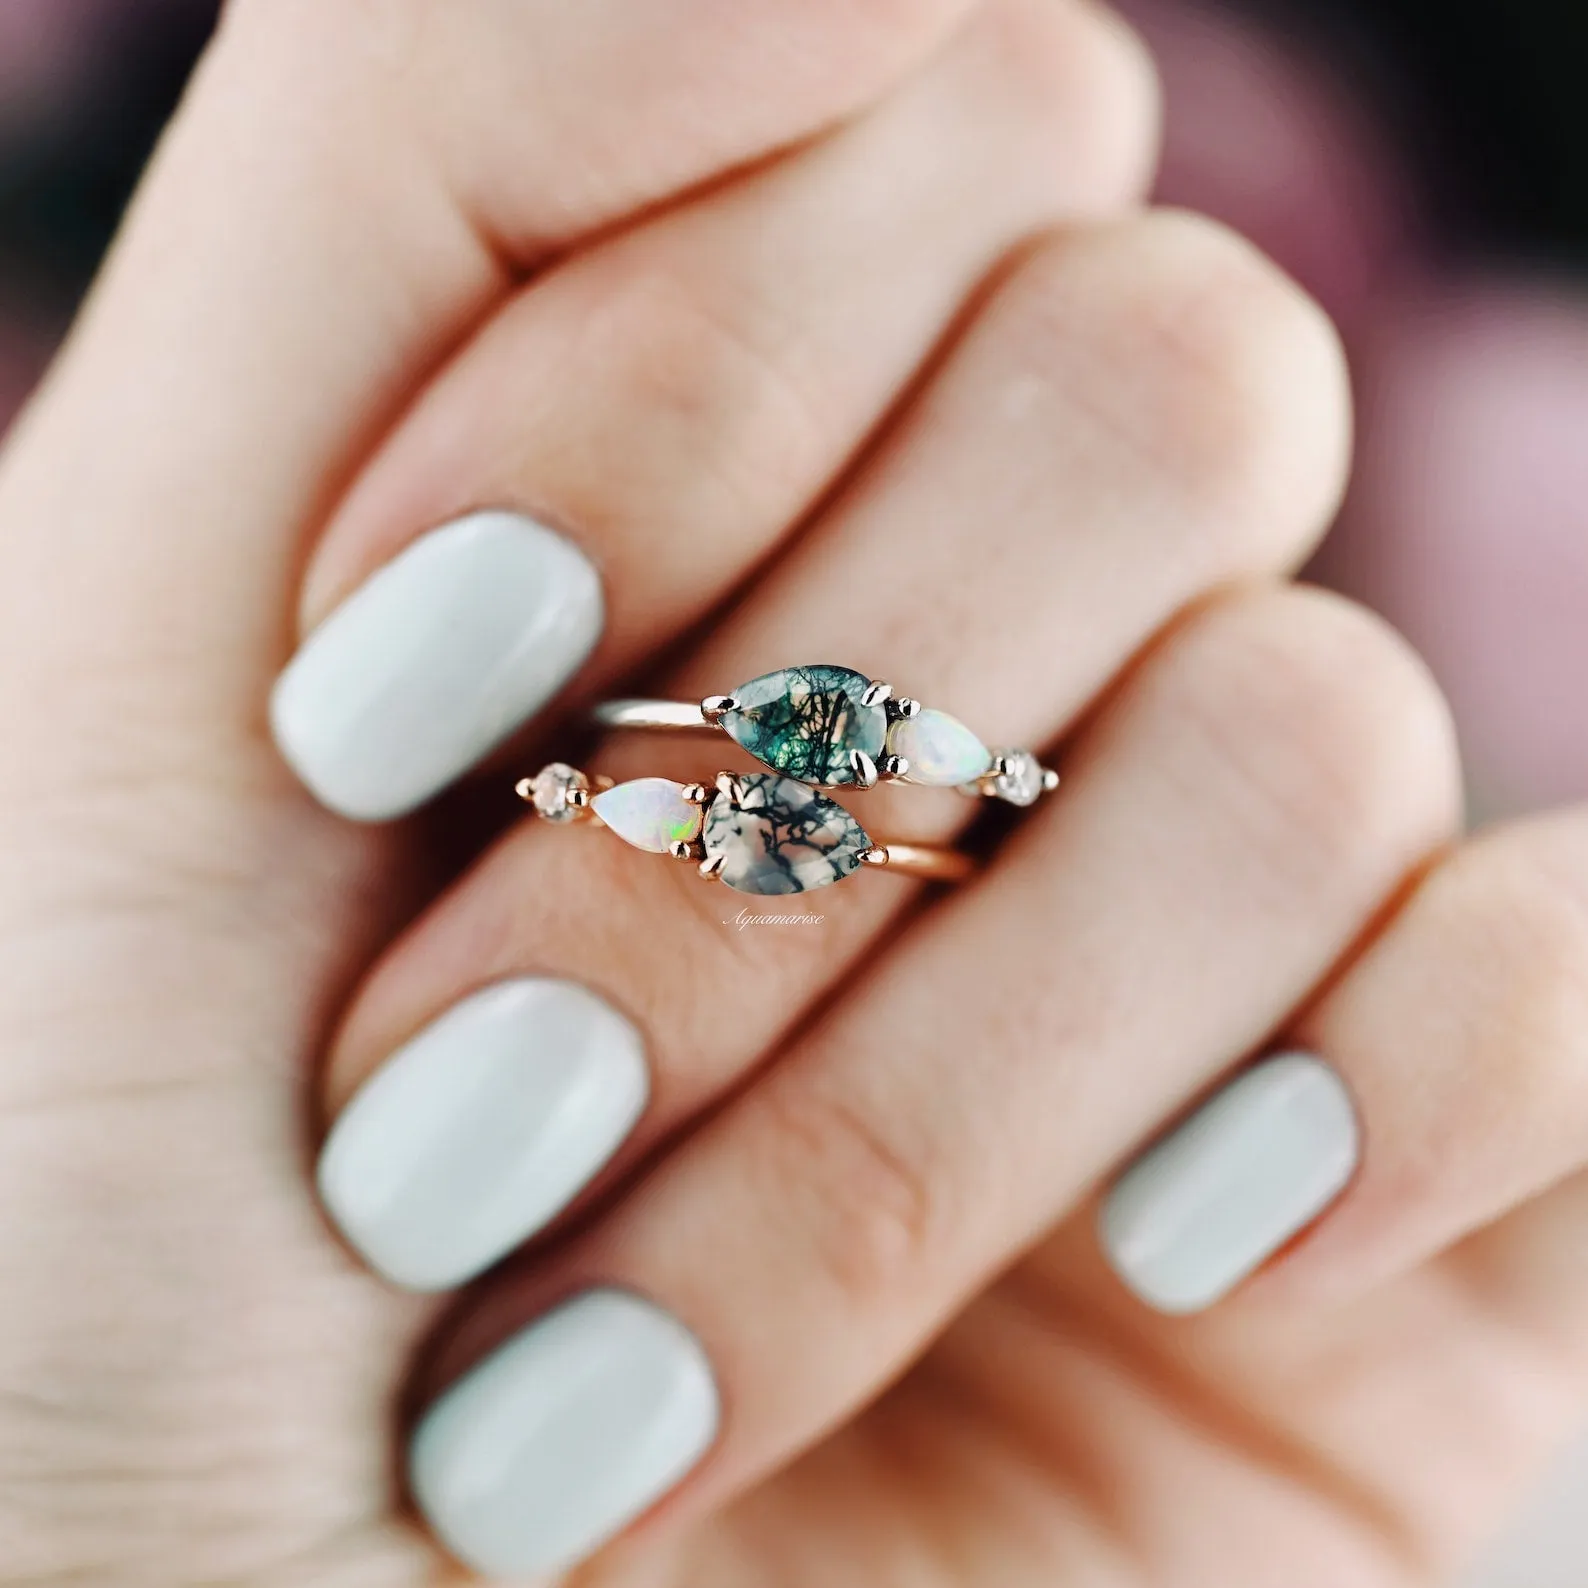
(773, 832)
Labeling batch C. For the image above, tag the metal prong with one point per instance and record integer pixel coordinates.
(893, 767)
(1002, 764)
(696, 793)
(907, 707)
(713, 706)
(686, 849)
(524, 788)
(1050, 779)
(864, 768)
(875, 694)
(711, 866)
(877, 855)
(730, 787)
(578, 798)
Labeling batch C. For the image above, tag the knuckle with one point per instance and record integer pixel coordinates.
(1469, 1019)
(726, 420)
(1334, 732)
(1199, 359)
(365, 33)
(889, 24)
(1085, 91)
(1515, 904)
(864, 1207)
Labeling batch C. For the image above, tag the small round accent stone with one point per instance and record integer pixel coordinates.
(941, 750)
(1021, 782)
(550, 789)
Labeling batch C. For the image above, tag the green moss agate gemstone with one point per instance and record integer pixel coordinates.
(807, 721)
(781, 837)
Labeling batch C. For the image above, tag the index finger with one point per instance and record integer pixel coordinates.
(345, 191)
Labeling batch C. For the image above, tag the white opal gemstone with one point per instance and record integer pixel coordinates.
(649, 812)
(550, 788)
(941, 750)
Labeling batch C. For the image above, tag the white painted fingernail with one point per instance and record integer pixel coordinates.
(433, 661)
(563, 1436)
(1209, 1203)
(479, 1130)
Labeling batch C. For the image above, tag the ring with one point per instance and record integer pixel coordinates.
(832, 726)
(757, 832)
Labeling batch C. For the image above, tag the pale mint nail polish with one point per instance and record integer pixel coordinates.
(1209, 1203)
(434, 660)
(564, 1435)
(481, 1128)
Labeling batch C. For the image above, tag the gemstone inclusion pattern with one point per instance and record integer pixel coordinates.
(782, 837)
(805, 722)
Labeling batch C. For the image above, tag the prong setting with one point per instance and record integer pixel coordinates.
(892, 768)
(711, 867)
(877, 855)
(730, 788)
(865, 769)
(903, 706)
(696, 793)
(876, 694)
(713, 707)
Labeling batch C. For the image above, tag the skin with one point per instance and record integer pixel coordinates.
(393, 261)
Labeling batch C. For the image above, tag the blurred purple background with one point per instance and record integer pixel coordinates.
(1419, 168)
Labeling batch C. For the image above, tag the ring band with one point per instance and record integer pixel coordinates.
(758, 832)
(833, 727)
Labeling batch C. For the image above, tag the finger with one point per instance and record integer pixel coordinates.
(681, 396)
(1111, 518)
(344, 191)
(1009, 1049)
(1447, 1269)
(1462, 1033)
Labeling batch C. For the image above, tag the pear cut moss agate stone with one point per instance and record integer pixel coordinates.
(649, 812)
(805, 722)
(941, 751)
(781, 837)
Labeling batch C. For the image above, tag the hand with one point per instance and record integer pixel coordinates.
(796, 1226)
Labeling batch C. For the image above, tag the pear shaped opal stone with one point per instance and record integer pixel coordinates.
(941, 751)
(648, 812)
(781, 837)
(807, 721)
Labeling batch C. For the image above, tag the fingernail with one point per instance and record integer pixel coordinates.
(477, 1132)
(563, 1436)
(433, 661)
(1213, 1200)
